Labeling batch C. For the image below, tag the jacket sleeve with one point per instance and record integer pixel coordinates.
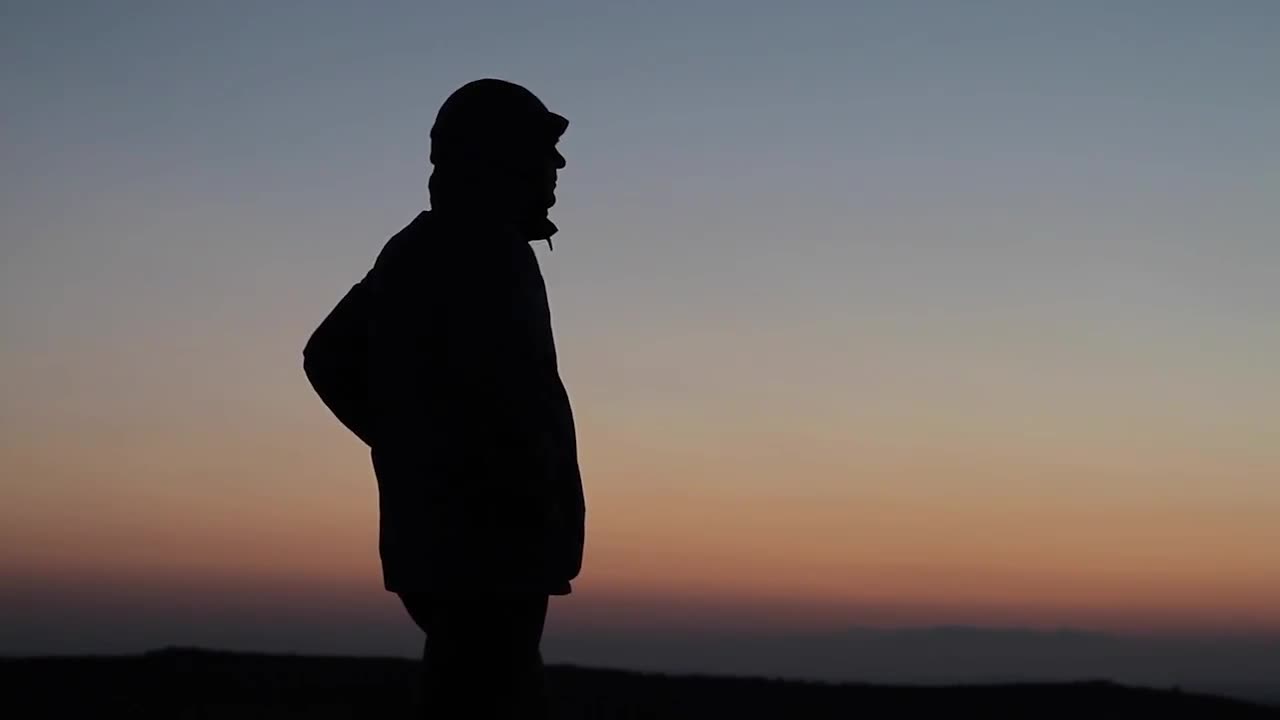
(334, 362)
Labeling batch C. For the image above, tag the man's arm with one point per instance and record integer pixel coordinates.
(334, 360)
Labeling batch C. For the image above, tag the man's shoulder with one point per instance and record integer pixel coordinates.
(407, 243)
(444, 237)
(437, 253)
(428, 249)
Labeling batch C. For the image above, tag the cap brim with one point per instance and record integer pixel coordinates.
(557, 123)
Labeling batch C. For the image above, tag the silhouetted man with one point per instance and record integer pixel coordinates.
(442, 360)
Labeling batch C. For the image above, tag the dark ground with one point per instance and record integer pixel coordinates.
(202, 684)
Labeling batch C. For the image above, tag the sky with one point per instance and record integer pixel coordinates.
(877, 314)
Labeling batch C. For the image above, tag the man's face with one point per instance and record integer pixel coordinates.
(550, 162)
(530, 175)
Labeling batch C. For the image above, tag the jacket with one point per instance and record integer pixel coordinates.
(457, 391)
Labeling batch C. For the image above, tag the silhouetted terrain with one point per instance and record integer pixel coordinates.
(1245, 667)
(203, 684)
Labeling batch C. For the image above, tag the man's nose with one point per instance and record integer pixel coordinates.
(558, 159)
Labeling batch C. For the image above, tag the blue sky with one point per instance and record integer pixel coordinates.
(711, 142)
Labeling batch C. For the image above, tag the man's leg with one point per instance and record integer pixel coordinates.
(482, 654)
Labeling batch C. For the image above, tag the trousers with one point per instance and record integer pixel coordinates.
(482, 656)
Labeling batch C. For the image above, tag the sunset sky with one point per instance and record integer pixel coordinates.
(872, 314)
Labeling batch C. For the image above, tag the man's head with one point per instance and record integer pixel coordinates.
(493, 146)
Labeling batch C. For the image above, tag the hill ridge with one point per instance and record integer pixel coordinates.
(183, 681)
